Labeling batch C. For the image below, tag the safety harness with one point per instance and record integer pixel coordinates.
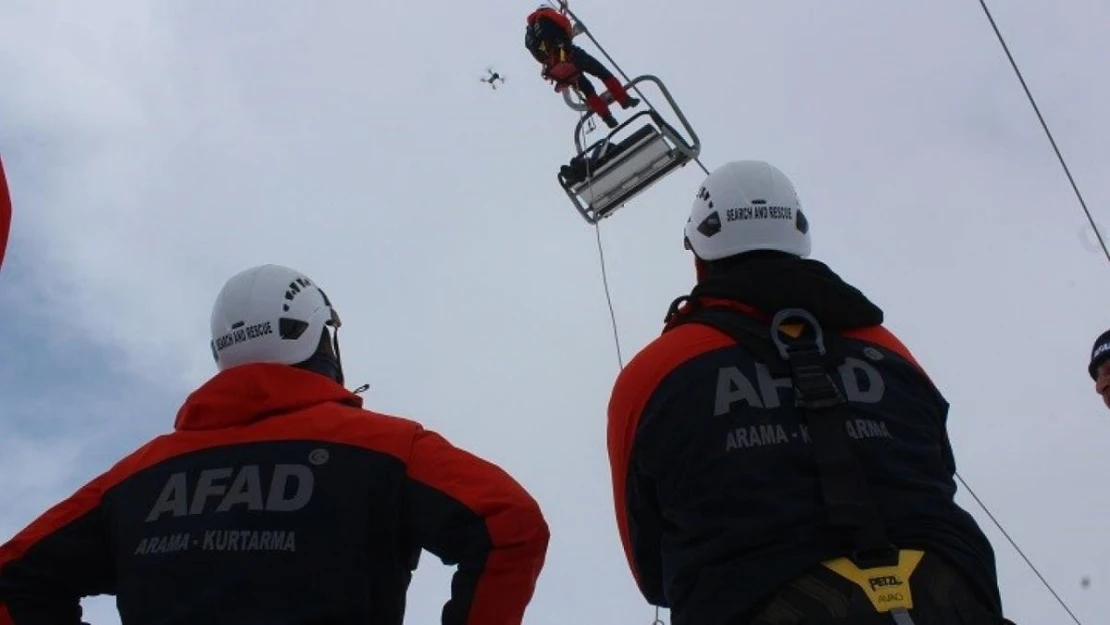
(551, 51)
(794, 344)
(559, 68)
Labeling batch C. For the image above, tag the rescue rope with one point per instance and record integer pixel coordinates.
(1018, 549)
(1044, 125)
(613, 319)
(605, 282)
(608, 297)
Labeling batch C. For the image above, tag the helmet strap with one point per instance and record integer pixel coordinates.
(338, 358)
(325, 360)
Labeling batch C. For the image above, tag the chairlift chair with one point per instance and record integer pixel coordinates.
(654, 150)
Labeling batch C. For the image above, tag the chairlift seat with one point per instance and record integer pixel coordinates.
(618, 172)
(603, 152)
(643, 158)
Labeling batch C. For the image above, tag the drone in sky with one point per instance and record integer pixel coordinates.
(492, 78)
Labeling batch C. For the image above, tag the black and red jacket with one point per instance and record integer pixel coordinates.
(718, 503)
(561, 22)
(547, 31)
(278, 499)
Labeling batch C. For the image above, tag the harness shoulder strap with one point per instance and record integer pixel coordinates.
(809, 357)
(752, 334)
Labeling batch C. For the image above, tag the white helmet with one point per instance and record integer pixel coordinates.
(269, 314)
(745, 206)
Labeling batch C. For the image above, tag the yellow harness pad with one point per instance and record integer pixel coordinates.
(888, 587)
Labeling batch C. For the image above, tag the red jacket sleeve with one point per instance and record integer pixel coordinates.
(638, 521)
(471, 513)
(5, 213)
(62, 556)
(631, 392)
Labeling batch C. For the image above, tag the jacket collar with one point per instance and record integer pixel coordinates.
(761, 287)
(248, 393)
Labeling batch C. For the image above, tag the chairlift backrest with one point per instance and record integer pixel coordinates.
(638, 162)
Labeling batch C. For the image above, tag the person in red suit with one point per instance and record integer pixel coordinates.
(549, 38)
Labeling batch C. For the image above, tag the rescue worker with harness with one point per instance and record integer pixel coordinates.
(549, 38)
(778, 456)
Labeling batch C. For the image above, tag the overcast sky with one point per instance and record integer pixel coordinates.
(154, 149)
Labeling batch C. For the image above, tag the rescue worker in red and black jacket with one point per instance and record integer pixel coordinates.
(277, 499)
(549, 37)
(720, 494)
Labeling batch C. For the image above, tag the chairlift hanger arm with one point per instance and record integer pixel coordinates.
(693, 148)
(632, 83)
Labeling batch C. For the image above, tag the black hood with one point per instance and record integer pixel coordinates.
(771, 284)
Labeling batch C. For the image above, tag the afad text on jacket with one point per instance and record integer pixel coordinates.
(279, 500)
(717, 500)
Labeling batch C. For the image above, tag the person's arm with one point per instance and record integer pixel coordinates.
(471, 513)
(639, 521)
(59, 558)
(648, 429)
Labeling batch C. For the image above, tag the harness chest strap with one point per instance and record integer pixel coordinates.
(881, 570)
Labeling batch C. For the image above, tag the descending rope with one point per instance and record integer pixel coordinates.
(608, 295)
(1044, 125)
(612, 315)
(1018, 549)
(605, 282)
(601, 255)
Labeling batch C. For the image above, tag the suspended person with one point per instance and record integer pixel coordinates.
(549, 37)
(278, 499)
(1099, 366)
(736, 507)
